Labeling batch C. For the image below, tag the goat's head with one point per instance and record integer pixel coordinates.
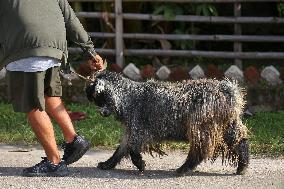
(96, 92)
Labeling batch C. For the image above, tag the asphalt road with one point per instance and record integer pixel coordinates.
(263, 173)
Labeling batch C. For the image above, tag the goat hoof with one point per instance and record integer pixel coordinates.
(241, 171)
(142, 168)
(104, 166)
(141, 173)
(182, 171)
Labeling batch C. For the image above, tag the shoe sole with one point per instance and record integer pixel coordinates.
(78, 154)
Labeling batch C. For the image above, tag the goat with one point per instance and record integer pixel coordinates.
(206, 113)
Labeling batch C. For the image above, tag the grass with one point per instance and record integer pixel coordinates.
(14, 128)
(266, 130)
(267, 133)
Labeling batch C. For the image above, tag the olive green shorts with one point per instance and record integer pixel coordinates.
(27, 90)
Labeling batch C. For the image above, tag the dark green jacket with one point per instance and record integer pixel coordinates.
(38, 28)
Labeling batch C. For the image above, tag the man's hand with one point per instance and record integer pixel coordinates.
(96, 63)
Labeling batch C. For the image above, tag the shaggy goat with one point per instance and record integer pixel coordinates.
(205, 113)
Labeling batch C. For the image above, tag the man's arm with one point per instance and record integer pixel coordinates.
(79, 36)
(75, 30)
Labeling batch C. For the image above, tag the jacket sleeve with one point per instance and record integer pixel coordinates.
(75, 31)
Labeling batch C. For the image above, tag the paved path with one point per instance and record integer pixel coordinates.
(264, 173)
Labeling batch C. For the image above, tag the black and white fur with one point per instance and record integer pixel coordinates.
(205, 113)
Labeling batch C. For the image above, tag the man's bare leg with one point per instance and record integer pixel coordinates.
(43, 129)
(56, 110)
(76, 146)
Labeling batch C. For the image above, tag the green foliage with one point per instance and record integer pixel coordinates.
(266, 130)
(206, 10)
(184, 44)
(280, 9)
(169, 11)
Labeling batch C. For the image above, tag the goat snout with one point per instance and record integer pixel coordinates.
(104, 111)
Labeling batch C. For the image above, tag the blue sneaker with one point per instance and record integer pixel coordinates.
(75, 150)
(46, 168)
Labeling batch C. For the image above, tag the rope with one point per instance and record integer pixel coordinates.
(83, 77)
(89, 79)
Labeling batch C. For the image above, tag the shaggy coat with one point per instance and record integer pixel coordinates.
(205, 113)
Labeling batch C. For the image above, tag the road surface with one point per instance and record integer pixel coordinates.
(263, 173)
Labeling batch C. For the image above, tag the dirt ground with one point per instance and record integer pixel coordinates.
(263, 173)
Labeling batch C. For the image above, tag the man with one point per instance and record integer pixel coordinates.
(32, 47)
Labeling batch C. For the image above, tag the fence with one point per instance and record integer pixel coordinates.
(236, 38)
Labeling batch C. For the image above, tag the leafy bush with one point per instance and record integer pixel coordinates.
(280, 9)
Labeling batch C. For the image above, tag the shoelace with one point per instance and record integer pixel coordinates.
(43, 161)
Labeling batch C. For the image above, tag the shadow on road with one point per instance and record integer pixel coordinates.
(11, 171)
(91, 172)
